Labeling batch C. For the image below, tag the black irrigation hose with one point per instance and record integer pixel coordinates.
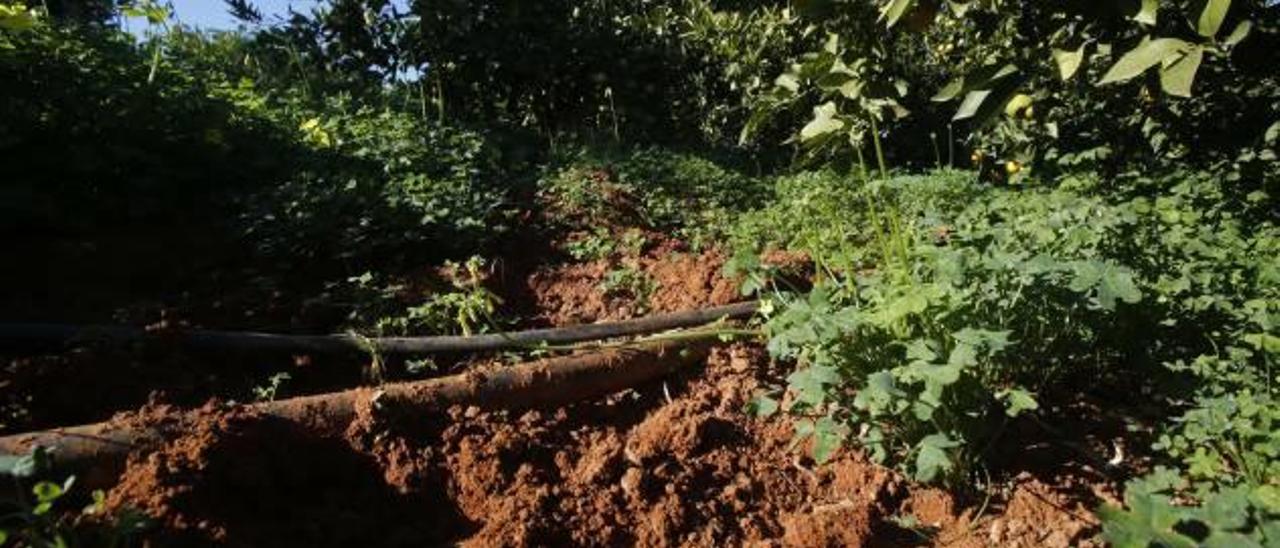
(29, 338)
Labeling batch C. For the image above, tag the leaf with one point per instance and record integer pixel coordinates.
(1238, 34)
(920, 350)
(1224, 539)
(939, 376)
(969, 106)
(982, 110)
(1069, 61)
(762, 406)
(949, 91)
(788, 82)
(984, 338)
(1117, 283)
(894, 10)
(1176, 78)
(1017, 400)
(1211, 17)
(823, 123)
(1146, 55)
(932, 458)
(1266, 497)
(16, 18)
(1228, 509)
(1147, 521)
(25, 466)
(1147, 13)
(47, 491)
(983, 77)
(809, 384)
(1086, 275)
(963, 355)
(828, 436)
(878, 393)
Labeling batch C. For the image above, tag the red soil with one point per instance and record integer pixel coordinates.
(672, 463)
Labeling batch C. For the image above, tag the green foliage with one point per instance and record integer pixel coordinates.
(375, 179)
(1233, 516)
(629, 282)
(38, 517)
(271, 390)
(94, 147)
(594, 246)
(465, 307)
(1054, 86)
(1001, 297)
(688, 196)
(1227, 440)
(1199, 107)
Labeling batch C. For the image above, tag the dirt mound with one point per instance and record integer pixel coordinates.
(637, 469)
(237, 479)
(667, 278)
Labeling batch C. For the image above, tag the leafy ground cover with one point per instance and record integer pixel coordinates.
(1017, 265)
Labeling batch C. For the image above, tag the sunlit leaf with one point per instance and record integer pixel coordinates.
(1147, 13)
(788, 82)
(1069, 61)
(1176, 78)
(894, 10)
(1211, 17)
(971, 103)
(824, 122)
(1146, 55)
(1238, 34)
(1017, 401)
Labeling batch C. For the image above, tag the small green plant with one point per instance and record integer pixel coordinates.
(468, 309)
(594, 246)
(38, 517)
(629, 282)
(1227, 440)
(271, 390)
